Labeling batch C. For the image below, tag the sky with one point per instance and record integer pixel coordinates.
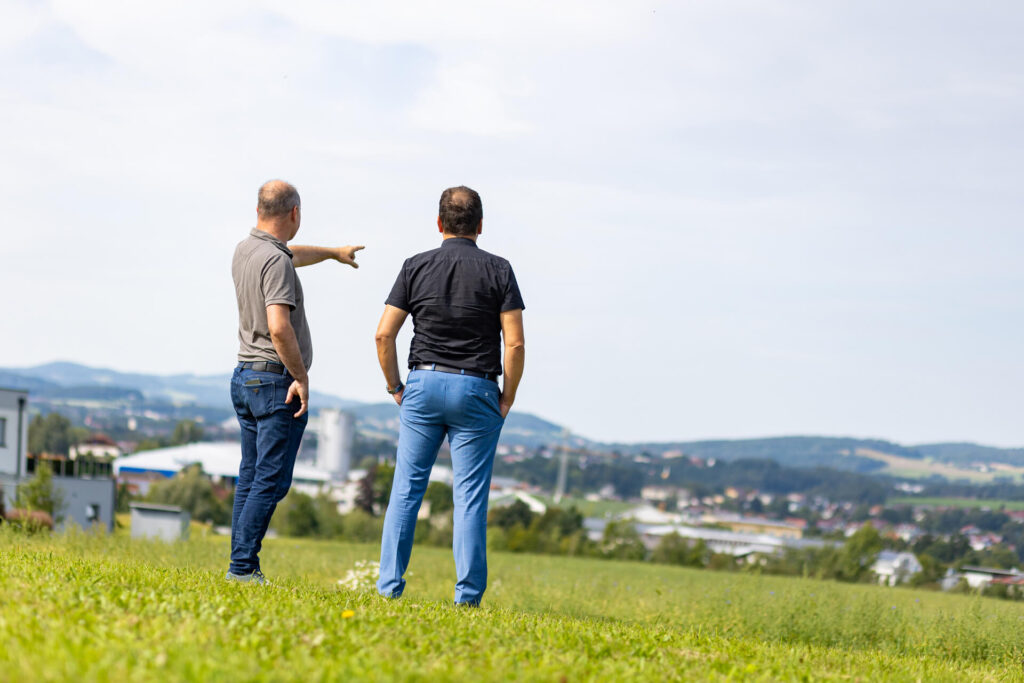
(728, 219)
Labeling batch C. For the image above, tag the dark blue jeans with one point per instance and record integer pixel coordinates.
(270, 441)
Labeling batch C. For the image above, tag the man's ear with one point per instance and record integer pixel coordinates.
(440, 226)
(480, 227)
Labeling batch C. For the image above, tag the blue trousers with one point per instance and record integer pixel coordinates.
(466, 409)
(270, 441)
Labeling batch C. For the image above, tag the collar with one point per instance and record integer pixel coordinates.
(453, 242)
(260, 235)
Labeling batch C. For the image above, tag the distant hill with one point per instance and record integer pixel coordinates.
(968, 453)
(53, 379)
(842, 453)
(520, 428)
(75, 382)
(63, 381)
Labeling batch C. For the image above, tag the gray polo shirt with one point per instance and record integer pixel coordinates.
(263, 273)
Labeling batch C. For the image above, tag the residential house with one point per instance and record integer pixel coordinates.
(893, 568)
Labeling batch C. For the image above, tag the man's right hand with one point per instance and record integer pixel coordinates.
(505, 405)
(300, 389)
(398, 396)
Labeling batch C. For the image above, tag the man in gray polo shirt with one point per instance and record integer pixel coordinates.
(274, 356)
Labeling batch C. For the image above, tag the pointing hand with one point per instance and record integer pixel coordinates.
(348, 255)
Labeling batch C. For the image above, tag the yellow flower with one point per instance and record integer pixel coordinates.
(347, 614)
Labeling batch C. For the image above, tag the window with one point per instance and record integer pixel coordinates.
(3, 432)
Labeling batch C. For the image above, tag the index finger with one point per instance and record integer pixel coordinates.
(359, 248)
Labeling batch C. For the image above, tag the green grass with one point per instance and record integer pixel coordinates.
(591, 508)
(957, 502)
(96, 608)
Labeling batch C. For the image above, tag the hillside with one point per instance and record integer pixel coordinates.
(126, 610)
(72, 383)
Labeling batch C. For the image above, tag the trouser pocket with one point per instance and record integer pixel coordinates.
(259, 396)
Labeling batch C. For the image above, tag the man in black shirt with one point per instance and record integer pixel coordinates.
(463, 300)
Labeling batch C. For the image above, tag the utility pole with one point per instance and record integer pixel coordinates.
(563, 468)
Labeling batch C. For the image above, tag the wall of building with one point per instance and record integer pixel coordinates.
(87, 502)
(13, 445)
(335, 439)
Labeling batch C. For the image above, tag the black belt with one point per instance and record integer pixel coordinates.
(264, 366)
(456, 371)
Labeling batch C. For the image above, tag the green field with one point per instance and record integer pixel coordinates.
(957, 502)
(95, 608)
(590, 508)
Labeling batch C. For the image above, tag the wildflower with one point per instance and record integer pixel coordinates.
(347, 614)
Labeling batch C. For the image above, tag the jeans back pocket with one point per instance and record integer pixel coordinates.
(259, 397)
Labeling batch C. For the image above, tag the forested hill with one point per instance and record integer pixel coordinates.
(64, 381)
(824, 451)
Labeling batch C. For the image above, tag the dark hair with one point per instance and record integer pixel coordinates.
(277, 198)
(460, 211)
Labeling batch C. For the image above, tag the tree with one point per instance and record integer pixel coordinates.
(509, 516)
(124, 498)
(39, 495)
(621, 541)
(674, 549)
(297, 515)
(192, 490)
(375, 488)
(930, 574)
(439, 495)
(52, 434)
(186, 431)
(859, 554)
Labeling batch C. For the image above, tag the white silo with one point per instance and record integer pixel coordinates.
(334, 443)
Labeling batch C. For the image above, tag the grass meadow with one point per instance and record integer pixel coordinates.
(89, 607)
(991, 504)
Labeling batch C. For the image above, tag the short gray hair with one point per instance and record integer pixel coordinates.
(277, 198)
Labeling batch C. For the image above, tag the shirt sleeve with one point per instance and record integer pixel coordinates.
(513, 299)
(399, 297)
(277, 281)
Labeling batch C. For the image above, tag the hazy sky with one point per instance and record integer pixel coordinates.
(727, 218)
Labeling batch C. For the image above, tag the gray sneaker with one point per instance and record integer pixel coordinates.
(256, 577)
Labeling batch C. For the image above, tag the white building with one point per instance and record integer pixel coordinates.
(95, 449)
(13, 441)
(648, 514)
(979, 577)
(892, 567)
(733, 543)
(220, 460)
(336, 433)
(508, 496)
(658, 494)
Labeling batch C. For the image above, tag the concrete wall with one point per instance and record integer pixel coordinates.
(165, 522)
(87, 502)
(13, 446)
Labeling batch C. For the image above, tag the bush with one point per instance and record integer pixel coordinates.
(39, 495)
(192, 490)
(674, 549)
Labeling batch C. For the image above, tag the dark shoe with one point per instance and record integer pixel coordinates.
(475, 605)
(256, 577)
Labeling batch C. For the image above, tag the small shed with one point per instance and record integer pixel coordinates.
(166, 522)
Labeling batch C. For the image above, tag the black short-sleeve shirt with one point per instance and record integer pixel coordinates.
(455, 294)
